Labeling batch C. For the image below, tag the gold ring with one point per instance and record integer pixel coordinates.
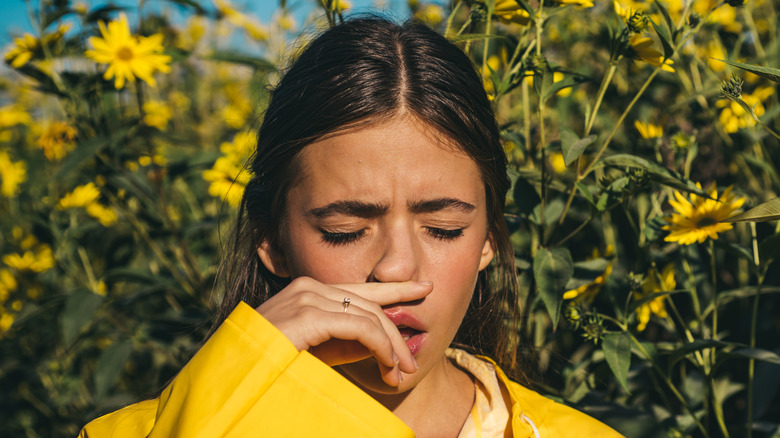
(345, 303)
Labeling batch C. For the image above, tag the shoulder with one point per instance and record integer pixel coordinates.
(547, 418)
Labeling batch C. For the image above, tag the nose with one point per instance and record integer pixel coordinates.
(398, 256)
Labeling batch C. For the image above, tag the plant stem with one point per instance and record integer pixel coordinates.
(669, 384)
(451, 18)
(753, 324)
(600, 96)
(620, 121)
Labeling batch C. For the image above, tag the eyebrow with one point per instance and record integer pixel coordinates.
(438, 204)
(370, 210)
(350, 208)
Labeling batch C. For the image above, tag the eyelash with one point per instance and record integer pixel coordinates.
(337, 239)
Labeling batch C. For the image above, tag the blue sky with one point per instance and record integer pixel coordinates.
(14, 18)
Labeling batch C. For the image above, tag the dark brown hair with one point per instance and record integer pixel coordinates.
(359, 72)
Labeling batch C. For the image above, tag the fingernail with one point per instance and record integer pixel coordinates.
(395, 358)
(417, 367)
(425, 283)
(400, 376)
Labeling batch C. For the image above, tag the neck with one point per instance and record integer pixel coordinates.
(438, 405)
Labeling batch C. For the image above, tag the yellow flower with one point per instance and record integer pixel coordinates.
(733, 116)
(697, 218)
(286, 22)
(433, 15)
(188, 38)
(101, 288)
(256, 30)
(712, 53)
(81, 8)
(80, 197)
(105, 215)
(580, 3)
(157, 114)
(38, 260)
(57, 140)
(642, 48)
(228, 176)
(28, 46)
(648, 130)
(509, 11)
(8, 284)
(6, 321)
(588, 291)
(12, 175)
(340, 5)
(86, 197)
(12, 115)
(651, 284)
(557, 162)
(128, 56)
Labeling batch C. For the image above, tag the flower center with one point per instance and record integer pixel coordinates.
(124, 53)
(706, 221)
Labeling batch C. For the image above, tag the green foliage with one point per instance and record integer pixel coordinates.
(631, 150)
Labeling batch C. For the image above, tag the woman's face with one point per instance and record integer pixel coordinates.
(386, 203)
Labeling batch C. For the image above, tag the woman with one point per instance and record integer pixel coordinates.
(362, 252)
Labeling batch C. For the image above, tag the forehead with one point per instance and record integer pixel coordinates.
(401, 157)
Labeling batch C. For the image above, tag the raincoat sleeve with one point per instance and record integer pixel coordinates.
(250, 380)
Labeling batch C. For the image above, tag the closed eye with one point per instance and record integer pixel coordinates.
(336, 239)
(444, 233)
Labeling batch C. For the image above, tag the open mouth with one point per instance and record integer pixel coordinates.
(407, 332)
(412, 337)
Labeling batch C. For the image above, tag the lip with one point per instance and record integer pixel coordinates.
(401, 317)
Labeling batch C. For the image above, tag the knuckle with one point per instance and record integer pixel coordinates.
(303, 282)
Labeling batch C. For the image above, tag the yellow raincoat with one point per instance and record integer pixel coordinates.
(249, 380)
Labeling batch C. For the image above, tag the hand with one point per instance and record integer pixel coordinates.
(311, 315)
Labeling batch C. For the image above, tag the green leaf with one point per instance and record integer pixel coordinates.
(552, 270)
(664, 37)
(109, 367)
(772, 74)
(543, 80)
(617, 352)
(84, 151)
(192, 4)
(586, 192)
(667, 18)
(523, 4)
(658, 173)
(52, 15)
(234, 57)
(525, 196)
(757, 354)
(769, 249)
(697, 345)
(568, 80)
(80, 306)
(474, 36)
(102, 13)
(572, 145)
(768, 211)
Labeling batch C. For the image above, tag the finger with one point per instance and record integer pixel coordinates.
(389, 293)
(338, 352)
(363, 329)
(406, 359)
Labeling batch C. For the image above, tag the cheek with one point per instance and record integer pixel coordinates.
(307, 255)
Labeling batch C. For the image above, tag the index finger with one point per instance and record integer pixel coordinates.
(389, 293)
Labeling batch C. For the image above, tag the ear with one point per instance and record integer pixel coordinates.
(273, 259)
(488, 251)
